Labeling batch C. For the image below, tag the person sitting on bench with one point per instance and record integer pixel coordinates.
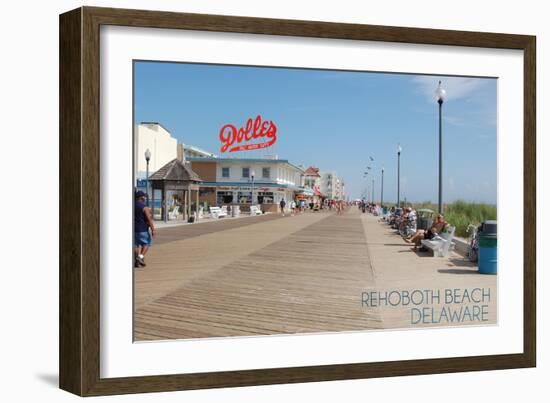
(436, 228)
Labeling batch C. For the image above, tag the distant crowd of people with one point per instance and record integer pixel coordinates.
(300, 206)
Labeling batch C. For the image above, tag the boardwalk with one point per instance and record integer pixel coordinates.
(397, 267)
(273, 275)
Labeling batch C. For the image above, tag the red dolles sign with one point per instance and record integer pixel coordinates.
(232, 138)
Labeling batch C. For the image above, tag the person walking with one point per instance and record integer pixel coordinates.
(282, 205)
(144, 229)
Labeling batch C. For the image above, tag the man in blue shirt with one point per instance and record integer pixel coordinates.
(144, 228)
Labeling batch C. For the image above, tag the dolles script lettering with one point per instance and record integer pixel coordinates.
(232, 138)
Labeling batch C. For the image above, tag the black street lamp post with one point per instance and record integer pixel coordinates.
(382, 189)
(440, 97)
(147, 159)
(252, 174)
(398, 171)
(366, 176)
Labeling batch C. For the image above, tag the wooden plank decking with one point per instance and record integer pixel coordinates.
(274, 275)
(308, 281)
(179, 232)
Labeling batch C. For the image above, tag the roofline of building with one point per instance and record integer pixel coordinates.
(260, 160)
(156, 123)
(198, 149)
(257, 185)
(247, 184)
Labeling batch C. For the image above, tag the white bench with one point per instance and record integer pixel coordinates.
(218, 212)
(173, 215)
(255, 210)
(442, 243)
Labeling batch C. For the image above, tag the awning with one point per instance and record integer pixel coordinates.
(304, 191)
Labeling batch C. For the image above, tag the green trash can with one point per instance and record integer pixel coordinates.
(487, 253)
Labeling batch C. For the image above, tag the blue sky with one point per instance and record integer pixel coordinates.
(336, 120)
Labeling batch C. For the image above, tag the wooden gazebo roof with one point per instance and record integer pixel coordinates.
(176, 170)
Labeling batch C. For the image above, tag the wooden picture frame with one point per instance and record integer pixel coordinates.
(79, 346)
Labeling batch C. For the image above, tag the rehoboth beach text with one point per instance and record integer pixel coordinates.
(449, 305)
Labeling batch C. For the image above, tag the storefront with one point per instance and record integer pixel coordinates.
(306, 195)
(267, 197)
(245, 182)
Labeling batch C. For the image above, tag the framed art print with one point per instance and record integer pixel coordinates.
(250, 201)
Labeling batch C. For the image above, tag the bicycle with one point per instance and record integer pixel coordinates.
(472, 252)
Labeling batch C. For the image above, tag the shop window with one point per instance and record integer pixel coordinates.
(266, 197)
(224, 198)
(245, 197)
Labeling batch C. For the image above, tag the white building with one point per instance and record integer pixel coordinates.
(332, 186)
(233, 180)
(154, 137)
(312, 181)
(186, 151)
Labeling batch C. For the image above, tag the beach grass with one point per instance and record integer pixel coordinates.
(462, 214)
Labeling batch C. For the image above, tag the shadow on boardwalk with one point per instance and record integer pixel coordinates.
(398, 267)
(310, 280)
(285, 276)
